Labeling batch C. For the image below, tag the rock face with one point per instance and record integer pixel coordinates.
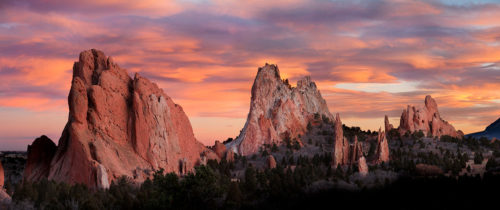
(492, 131)
(426, 119)
(388, 126)
(118, 126)
(382, 147)
(278, 110)
(271, 162)
(344, 152)
(40, 154)
(219, 149)
(362, 166)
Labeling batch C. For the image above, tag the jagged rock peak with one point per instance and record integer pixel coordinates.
(426, 119)
(338, 157)
(388, 125)
(118, 126)
(278, 110)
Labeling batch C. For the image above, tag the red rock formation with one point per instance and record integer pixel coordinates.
(356, 151)
(271, 162)
(362, 166)
(426, 119)
(388, 126)
(382, 147)
(40, 154)
(230, 156)
(338, 150)
(277, 110)
(119, 126)
(343, 151)
(219, 149)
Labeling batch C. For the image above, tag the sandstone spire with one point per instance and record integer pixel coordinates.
(277, 110)
(338, 157)
(382, 147)
(117, 126)
(388, 126)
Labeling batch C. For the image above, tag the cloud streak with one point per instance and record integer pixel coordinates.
(205, 54)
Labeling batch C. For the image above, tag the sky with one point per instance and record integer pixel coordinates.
(369, 58)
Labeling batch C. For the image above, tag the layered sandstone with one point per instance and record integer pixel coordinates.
(277, 110)
(426, 119)
(118, 126)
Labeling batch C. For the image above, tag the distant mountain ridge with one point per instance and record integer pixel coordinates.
(492, 131)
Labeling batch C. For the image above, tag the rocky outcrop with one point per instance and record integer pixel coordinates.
(219, 149)
(362, 166)
(341, 147)
(356, 151)
(344, 152)
(119, 126)
(270, 162)
(388, 126)
(382, 147)
(40, 154)
(426, 119)
(278, 110)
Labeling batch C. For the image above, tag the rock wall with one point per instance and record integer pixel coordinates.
(278, 110)
(117, 126)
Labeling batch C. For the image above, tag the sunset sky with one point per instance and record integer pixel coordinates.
(368, 58)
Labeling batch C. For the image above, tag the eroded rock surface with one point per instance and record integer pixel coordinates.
(117, 126)
(426, 119)
(278, 110)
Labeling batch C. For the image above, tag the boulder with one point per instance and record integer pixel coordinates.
(278, 110)
(118, 126)
(426, 119)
